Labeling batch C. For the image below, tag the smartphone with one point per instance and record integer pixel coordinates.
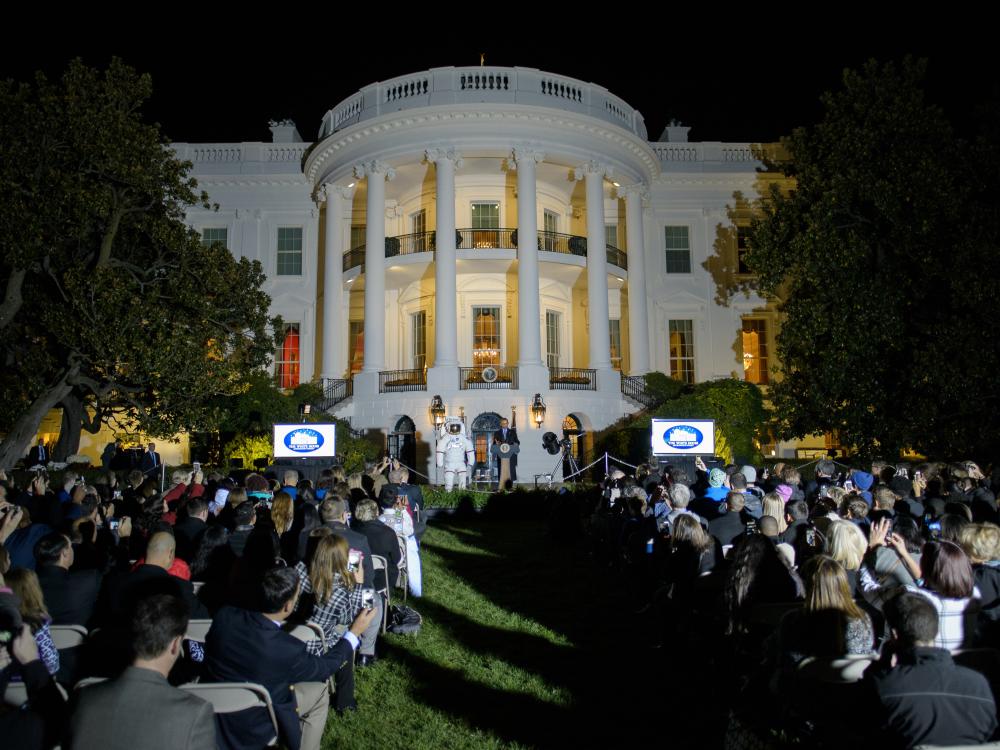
(113, 524)
(935, 528)
(196, 467)
(353, 560)
(221, 495)
(116, 495)
(368, 598)
(848, 485)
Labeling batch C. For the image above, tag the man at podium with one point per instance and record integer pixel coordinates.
(505, 448)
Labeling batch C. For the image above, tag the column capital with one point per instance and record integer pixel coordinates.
(437, 154)
(526, 153)
(374, 167)
(638, 190)
(592, 167)
(328, 190)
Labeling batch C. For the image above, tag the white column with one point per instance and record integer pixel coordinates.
(377, 173)
(638, 324)
(597, 266)
(529, 341)
(334, 326)
(446, 161)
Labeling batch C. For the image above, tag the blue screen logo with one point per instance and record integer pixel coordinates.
(683, 436)
(303, 440)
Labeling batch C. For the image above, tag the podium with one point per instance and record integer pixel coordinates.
(503, 453)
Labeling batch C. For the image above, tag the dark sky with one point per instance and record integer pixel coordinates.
(731, 77)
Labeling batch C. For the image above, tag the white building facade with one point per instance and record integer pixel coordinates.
(498, 237)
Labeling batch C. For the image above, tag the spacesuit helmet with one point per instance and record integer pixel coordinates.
(455, 428)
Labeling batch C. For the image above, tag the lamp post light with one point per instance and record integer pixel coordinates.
(538, 410)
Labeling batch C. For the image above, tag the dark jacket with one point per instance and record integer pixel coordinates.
(244, 646)
(384, 542)
(727, 527)
(927, 699)
(357, 541)
(126, 589)
(69, 597)
(187, 534)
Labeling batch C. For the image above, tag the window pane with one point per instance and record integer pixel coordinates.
(289, 251)
(485, 336)
(419, 333)
(287, 364)
(755, 351)
(356, 339)
(212, 235)
(615, 329)
(611, 234)
(678, 249)
(682, 350)
(418, 226)
(486, 215)
(552, 338)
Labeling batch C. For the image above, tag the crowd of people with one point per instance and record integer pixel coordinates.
(855, 606)
(133, 565)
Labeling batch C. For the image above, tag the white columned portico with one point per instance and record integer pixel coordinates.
(443, 376)
(377, 173)
(334, 331)
(638, 325)
(597, 266)
(529, 341)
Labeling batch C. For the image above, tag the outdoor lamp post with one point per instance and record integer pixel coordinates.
(538, 410)
(437, 411)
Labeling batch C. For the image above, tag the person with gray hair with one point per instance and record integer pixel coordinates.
(381, 538)
(289, 484)
(680, 497)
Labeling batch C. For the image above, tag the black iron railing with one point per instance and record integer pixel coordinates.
(634, 387)
(408, 244)
(355, 257)
(486, 377)
(617, 258)
(554, 242)
(397, 381)
(572, 379)
(486, 239)
(335, 391)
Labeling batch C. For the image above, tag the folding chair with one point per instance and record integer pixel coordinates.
(842, 671)
(403, 572)
(67, 636)
(230, 697)
(197, 586)
(380, 563)
(16, 694)
(88, 681)
(197, 630)
(308, 632)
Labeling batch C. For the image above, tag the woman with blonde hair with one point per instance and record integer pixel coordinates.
(335, 591)
(31, 603)
(981, 542)
(774, 506)
(282, 512)
(846, 544)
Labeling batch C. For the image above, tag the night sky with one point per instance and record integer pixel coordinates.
(743, 77)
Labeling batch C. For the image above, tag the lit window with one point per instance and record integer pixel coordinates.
(552, 338)
(485, 336)
(287, 365)
(755, 351)
(418, 326)
(486, 216)
(356, 339)
(682, 350)
(615, 331)
(418, 226)
(289, 251)
(550, 223)
(211, 235)
(357, 236)
(611, 235)
(678, 245)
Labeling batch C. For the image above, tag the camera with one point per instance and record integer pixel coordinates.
(353, 560)
(368, 598)
(113, 524)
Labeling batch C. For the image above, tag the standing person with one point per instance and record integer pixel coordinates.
(38, 455)
(507, 435)
(150, 462)
(140, 708)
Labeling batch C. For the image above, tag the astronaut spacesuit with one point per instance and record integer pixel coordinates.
(455, 453)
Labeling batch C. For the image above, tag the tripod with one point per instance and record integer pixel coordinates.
(566, 455)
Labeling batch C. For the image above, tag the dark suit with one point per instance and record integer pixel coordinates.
(126, 589)
(141, 709)
(384, 542)
(244, 646)
(511, 438)
(357, 541)
(727, 527)
(34, 458)
(69, 597)
(149, 462)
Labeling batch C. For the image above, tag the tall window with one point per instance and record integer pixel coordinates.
(550, 223)
(486, 216)
(418, 226)
(418, 328)
(485, 336)
(682, 350)
(287, 365)
(289, 251)
(678, 244)
(356, 340)
(755, 351)
(742, 249)
(357, 236)
(615, 329)
(211, 235)
(552, 338)
(611, 235)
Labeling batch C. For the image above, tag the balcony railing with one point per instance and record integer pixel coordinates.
(483, 239)
(634, 387)
(335, 391)
(482, 378)
(399, 381)
(572, 379)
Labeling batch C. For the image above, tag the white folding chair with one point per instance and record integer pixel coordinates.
(67, 636)
(842, 671)
(16, 694)
(380, 563)
(88, 681)
(403, 581)
(309, 632)
(197, 630)
(230, 697)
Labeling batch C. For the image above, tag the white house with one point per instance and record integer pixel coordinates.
(484, 235)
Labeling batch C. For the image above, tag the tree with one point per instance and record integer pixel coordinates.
(884, 254)
(112, 306)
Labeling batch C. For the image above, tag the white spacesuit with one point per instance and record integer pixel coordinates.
(455, 453)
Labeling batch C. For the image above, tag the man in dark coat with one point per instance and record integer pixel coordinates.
(69, 597)
(508, 435)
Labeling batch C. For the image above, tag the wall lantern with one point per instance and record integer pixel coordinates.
(437, 411)
(538, 410)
